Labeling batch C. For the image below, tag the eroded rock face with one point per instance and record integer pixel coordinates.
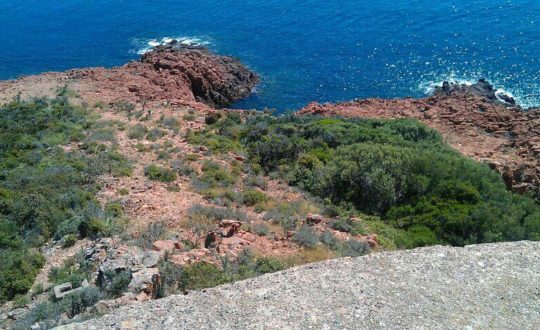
(215, 80)
(475, 122)
(175, 75)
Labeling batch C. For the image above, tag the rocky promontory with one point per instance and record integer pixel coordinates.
(176, 75)
(474, 119)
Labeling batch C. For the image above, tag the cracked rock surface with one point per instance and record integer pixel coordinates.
(489, 286)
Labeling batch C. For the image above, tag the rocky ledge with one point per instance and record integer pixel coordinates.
(489, 286)
(475, 119)
(173, 74)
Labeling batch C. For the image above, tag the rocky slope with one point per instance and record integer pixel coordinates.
(475, 120)
(491, 286)
(189, 76)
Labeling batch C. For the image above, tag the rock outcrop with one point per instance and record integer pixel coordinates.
(490, 286)
(481, 89)
(215, 80)
(180, 75)
(473, 119)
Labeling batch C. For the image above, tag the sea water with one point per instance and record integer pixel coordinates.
(311, 50)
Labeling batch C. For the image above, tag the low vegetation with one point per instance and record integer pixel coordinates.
(415, 189)
(201, 275)
(48, 191)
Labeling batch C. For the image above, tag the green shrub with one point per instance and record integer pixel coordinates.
(212, 118)
(119, 283)
(256, 181)
(137, 132)
(204, 275)
(158, 173)
(253, 197)
(18, 270)
(20, 301)
(155, 134)
(306, 237)
(261, 229)
(215, 176)
(354, 248)
(399, 170)
(170, 122)
(217, 213)
(69, 240)
(74, 270)
(78, 302)
(349, 226)
(154, 232)
(180, 167)
(189, 117)
(328, 239)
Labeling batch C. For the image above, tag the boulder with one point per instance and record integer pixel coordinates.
(146, 280)
(229, 228)
(151, 258)
(372, 240)
(313, 219)
(164, 246)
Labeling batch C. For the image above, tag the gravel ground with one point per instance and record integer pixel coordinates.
(490, 286)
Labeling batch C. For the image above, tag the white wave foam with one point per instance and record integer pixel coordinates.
(144, 46)
(427, 87)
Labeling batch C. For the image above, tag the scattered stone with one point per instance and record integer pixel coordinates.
(229, 227)
(313, 219)
(164, 246)
(146, 280)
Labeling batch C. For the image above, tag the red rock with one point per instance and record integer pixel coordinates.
(166, 245)
(229, 227)
(313, 219)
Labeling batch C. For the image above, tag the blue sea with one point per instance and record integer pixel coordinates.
(311, 50)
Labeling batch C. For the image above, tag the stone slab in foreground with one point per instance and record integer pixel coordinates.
(490, 286)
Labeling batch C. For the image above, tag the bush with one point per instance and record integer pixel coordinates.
(180, 167)
(328, 239)
(155, 134)
(158, 173)
(253, 197)
(217, 213)
(78, 302)
(306, 237)
(17, 272)
(170, 122)
(69, 240)
(189, 117)
(215, 176)
(20, 301)
(119, 283)
(74, 270)
(261, 229)
(349, 226)
(204, 275)
(256, 181)
(354, 248)
(137, 132)
(399, 170)
(154, 232)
